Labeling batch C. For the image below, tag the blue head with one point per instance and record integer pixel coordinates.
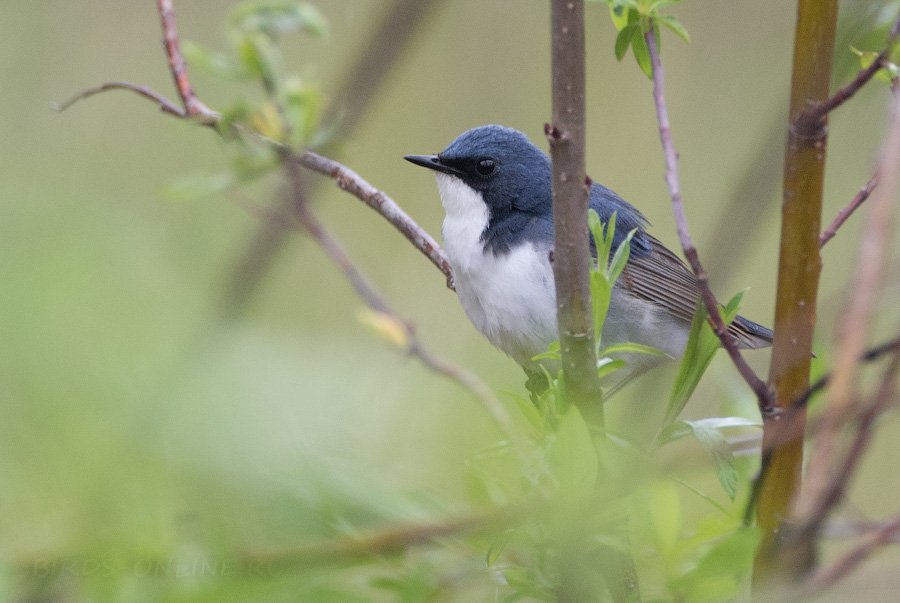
(508, 178)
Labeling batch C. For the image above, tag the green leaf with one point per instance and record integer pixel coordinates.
(262, 59)
(195, 186)
(601, 296)
(528, 410)
(673, 25)
(273, 18)
(620, 348)
(617, 265)
(714, 442)
(572, 455)
(680, 429)
(720, 573)
(698, 353)
(214, 63)
(642, 54)
(623, 40)
(605, 366)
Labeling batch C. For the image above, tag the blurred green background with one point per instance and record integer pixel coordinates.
(137, 423)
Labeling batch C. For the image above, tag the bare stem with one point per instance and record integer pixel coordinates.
(845, 213)
(571, 260)
(763, 395)
(192, 106)
(843, 396)
(165, 105)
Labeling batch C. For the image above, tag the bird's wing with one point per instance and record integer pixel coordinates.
(662, 278)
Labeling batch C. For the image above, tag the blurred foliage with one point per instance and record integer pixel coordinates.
(148, 453)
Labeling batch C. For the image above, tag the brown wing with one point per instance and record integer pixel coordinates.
(661, 277)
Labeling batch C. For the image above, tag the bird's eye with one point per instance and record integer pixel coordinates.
(485, 166)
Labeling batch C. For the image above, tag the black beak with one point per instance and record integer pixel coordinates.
(433, 162)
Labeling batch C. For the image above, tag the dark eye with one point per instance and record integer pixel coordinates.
(485, 166)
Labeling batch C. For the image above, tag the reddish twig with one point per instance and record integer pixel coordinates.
(843, 566)
(348, 180)
(192, 106)
(763, 394)
(845, 213)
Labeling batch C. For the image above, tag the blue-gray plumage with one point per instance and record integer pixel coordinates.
(498, 233)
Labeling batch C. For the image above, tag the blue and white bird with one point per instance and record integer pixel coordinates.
(498, 234)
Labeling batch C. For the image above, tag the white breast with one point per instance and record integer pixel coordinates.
(509, 297)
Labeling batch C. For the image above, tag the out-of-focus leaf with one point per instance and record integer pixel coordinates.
(605, 366)
(215, 63)
(528, 410)
(497, 546)
(195, 186)
(658, 511)
(302, 106)
(713, 441)
(573, 457)
(272, 18)
(719, 574)
(386, 326)
(701, 346)
(673, 25)
(623, 40)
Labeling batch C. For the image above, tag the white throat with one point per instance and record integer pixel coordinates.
(466, 218)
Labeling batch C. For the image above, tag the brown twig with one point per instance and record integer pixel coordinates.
(812, 118)
(571, 259)
(763, 395)
(366, 291)
(361, 82)
(845, 213)
(348, 180)
(192, 106)
(843, 398)
(834, 491)
(165, 105)
(843, 566)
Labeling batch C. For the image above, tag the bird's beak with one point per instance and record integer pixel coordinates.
(433, 162)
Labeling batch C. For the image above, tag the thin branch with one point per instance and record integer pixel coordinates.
(359, 85)
(843, 398)
(571, 264)
(366, 291)
(192, 106)
(763, 394)
(811, 119)
(845, 213)
(348, 180)
(843, 566)
(390, 541)
(165, 105)
(834, 491)
(789, 427)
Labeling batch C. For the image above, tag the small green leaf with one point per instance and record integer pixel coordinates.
(620, 348)
(714, 442)
(601, 296)
(673, 25)
(215, 63)
(698, 353)
(641, 53)
(605, 366)
(617, 265)
(528, 410)
(273, 18)
(195, 186)
(623, 40)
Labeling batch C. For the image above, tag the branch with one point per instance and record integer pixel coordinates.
(571, 260)
(834, 491)
(390, 541)
(845, 213)
(192, 106)
(361, 82)
(832, 574)
(763, 395)
(165, 105)
(348, 180)
(799, 267)
(335, 251)
(810, 120)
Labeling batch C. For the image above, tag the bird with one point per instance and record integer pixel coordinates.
(495, 187)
